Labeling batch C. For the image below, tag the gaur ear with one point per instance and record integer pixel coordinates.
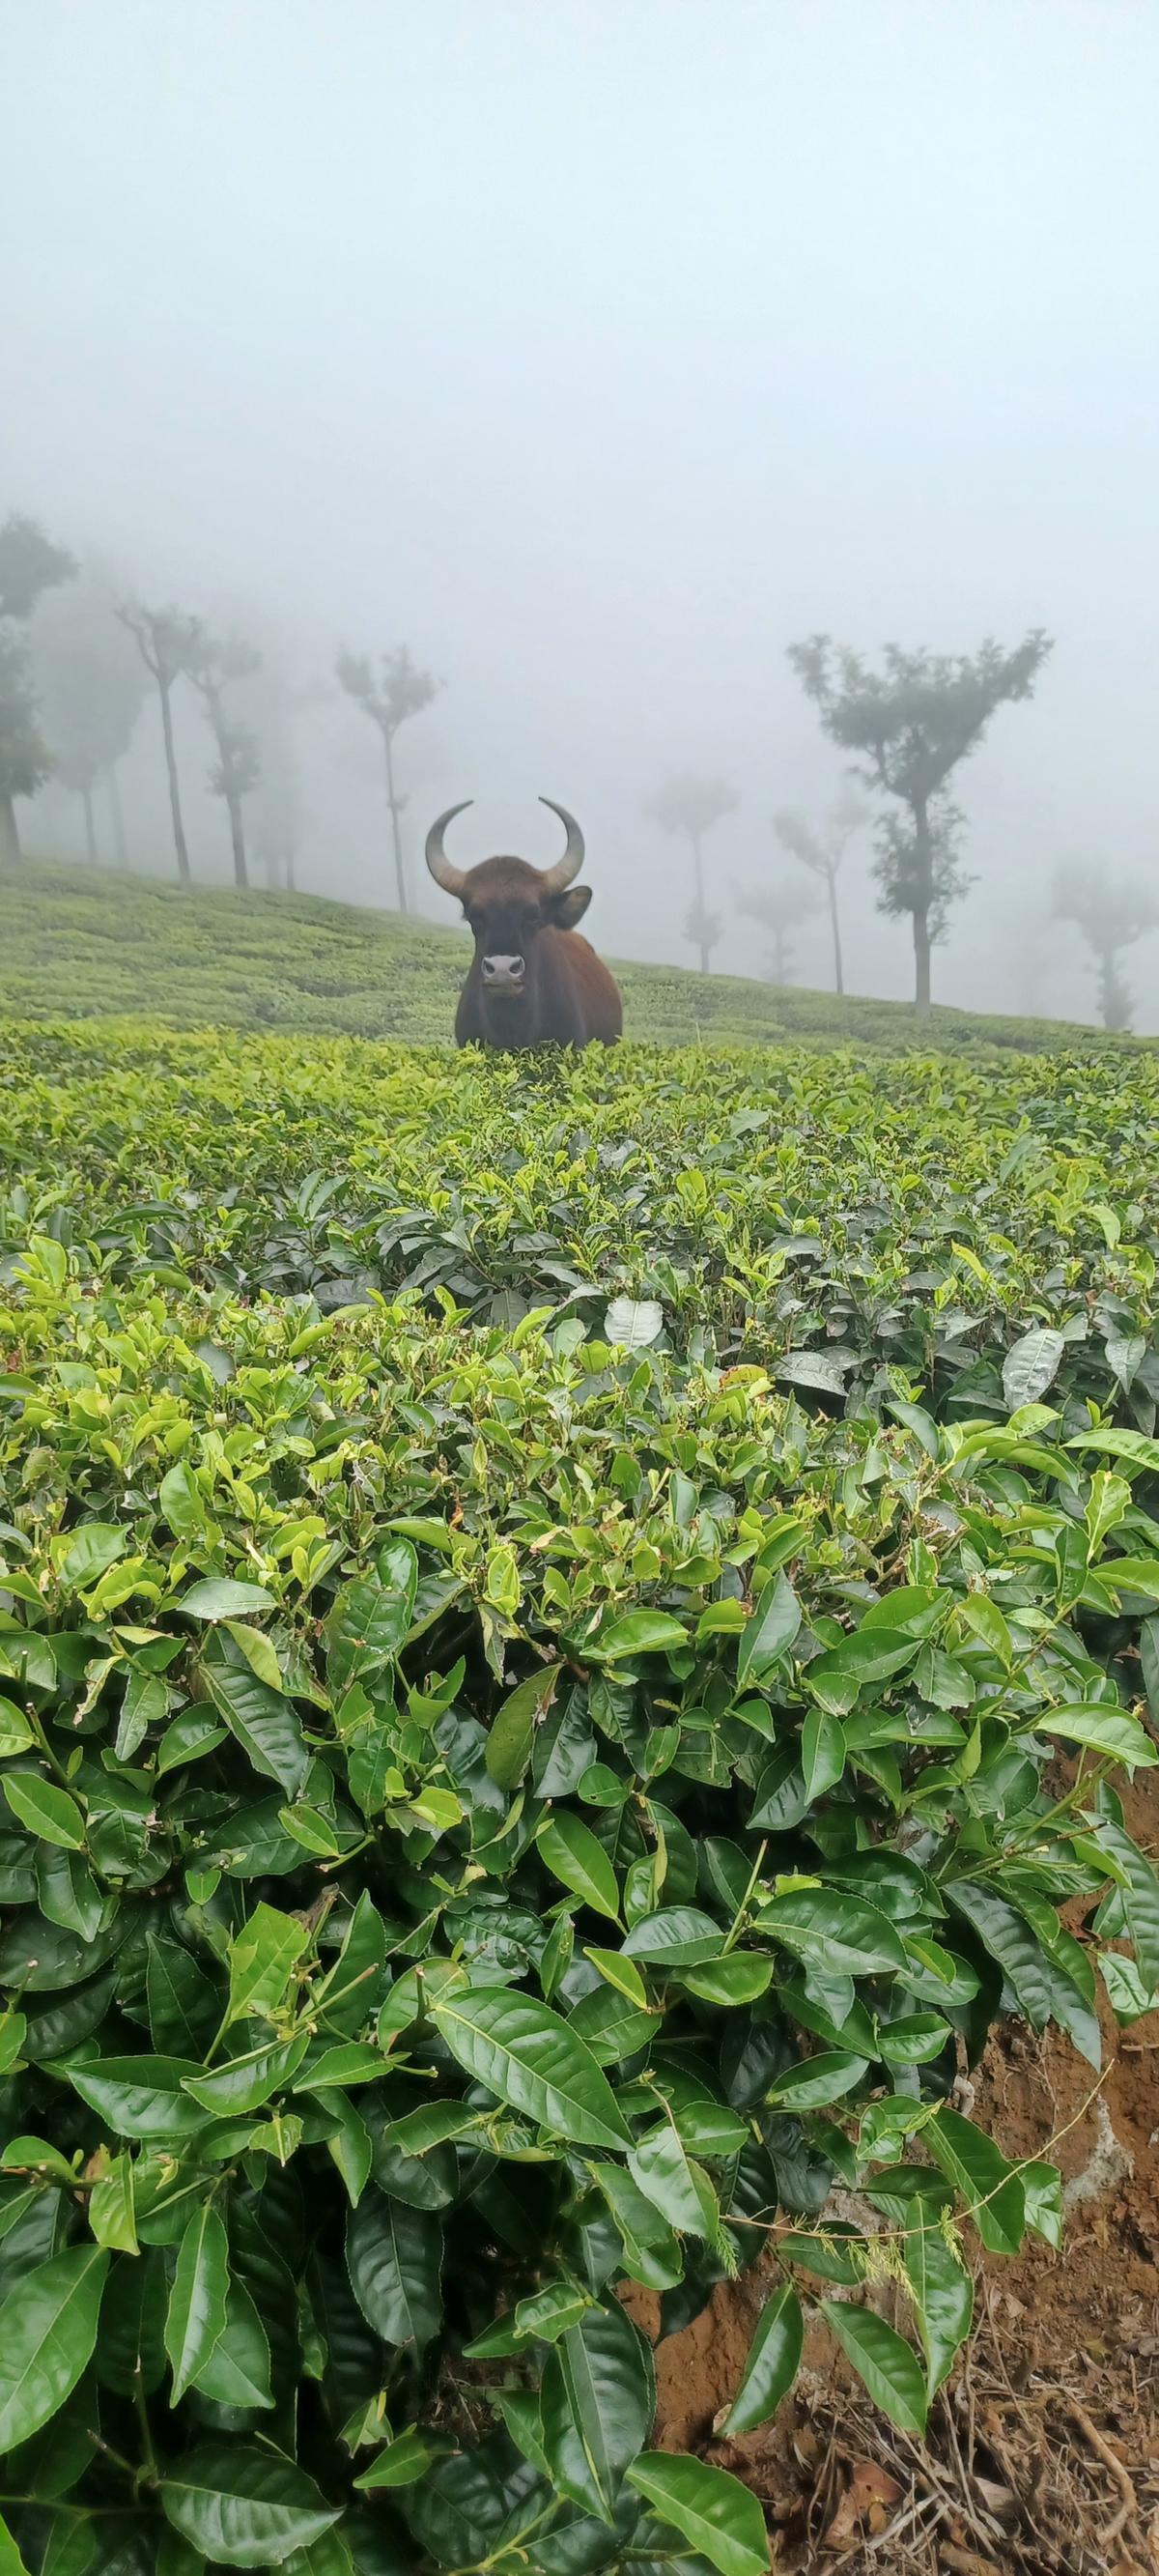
(564, 910)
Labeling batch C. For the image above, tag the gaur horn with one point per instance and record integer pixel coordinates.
(452, 880)
(556, 878)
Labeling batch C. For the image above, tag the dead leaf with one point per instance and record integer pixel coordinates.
(997, 2500)
(866, 2505)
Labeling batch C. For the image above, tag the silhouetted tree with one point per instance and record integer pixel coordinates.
(166, 640)
(399, 690)
(29, 565)
(214, 665)
(704, 931)
(780, 905)
(277, 701)
(91, 689)
(822, 851)
(24, 759)
(120, 845)
(912, 721)
(1112, 914)
(691, 806)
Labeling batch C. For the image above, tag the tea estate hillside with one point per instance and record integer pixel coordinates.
(80, 944)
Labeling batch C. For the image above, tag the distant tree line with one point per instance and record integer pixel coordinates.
(78, 661)
(906, 724)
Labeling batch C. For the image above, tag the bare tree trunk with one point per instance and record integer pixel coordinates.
(1114, 992)
(237, 836)
(10, 850)
(179, 841)
(396, 833)
(921, 963)
(698, 882)
(91, 850)
(923, 898)
(838, 976)
(114, 787)
(291, 887)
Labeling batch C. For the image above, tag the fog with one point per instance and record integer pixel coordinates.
(599, 350)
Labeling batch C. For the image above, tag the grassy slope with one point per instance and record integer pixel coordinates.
(76, 943)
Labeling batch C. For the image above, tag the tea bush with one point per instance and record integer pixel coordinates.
(565, 1637)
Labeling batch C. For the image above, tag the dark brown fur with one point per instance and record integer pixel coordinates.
(567, 998)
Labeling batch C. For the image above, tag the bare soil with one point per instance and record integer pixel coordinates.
(1042, 2457)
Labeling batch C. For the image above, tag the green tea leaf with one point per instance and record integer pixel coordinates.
(816, 2081)
(1030, 1365)
(403, 2461)
(242, 2084)
(991, 2188)
(241, 2506)
(48, 2327)
(884, 2360)
(822, 1752)
(835, 1933)
(45, 1809)
(718, 2517)
(139, 2097)
(262, 1959)
(943, 2297)
(599, 2398)
(528, 2057)
(264, 1721)
(218, 1598)
(197, 2300)
(236, 2369)
(770, 1631)
(574, 1856)
(395, 2259)
(95, 1547)
(774, 2358)
(1105, 1730)
(15, 1732)
(513, 1732)
(638, 1632)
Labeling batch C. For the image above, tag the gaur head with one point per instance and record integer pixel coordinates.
(508, 903)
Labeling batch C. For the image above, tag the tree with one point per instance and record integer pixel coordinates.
(911, 721)
(822, 853)
(29, 565)
(780, 905)
(24, 759)
(277, 701)
(91, 689)
(704, 931)
(213, 667)
(691, 806)
(1113, 914)
(400, 690)
(166, 640)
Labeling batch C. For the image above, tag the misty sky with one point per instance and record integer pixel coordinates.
(599, 349)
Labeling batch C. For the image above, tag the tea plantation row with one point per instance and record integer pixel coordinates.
(92, 942)
(566, 1636)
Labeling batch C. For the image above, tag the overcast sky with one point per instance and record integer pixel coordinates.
(599, 348)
